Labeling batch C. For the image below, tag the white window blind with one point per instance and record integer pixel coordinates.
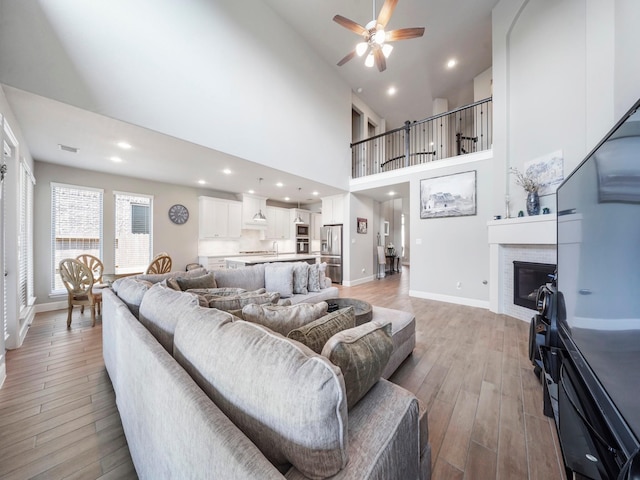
(76, 216)
(25, 238)
(134, 240)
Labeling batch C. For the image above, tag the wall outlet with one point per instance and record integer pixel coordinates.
(364, 270)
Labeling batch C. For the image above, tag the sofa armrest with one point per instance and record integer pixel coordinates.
(384, 437)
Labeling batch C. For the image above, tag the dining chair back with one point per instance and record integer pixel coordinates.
(160, 264)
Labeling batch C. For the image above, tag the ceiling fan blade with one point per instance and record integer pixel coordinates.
(386, 11)
(350, 25)
(381, 62)
(404, 34)
(346, 58)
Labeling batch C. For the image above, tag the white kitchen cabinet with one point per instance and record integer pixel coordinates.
(333, 210)
(316, 224)
(219, 218)
(252, 204)
(213, 263)
(278, 223)
(305, 215)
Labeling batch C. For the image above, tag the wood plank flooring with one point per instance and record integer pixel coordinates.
(470, 369)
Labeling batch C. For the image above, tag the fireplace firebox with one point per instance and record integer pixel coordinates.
(528, 277)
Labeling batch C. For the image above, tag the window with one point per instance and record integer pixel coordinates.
(25, 239)
(133, 242)
(140, 219)
(76, 216)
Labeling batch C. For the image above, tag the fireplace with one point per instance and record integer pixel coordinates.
(527, 278)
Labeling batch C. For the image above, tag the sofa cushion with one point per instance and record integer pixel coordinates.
(284, 319)
(131, 291)
(250, 278)
(278, 277)
(289, 401)
(161, 310)
(158, 277)
(236, 302)
(362, 353)
(300, 277)
(204, 281)
(315, 334)
(313, 282)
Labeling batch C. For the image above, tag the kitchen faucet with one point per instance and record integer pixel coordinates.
(274, 246)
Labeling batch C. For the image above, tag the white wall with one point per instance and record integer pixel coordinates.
(360, 265)
(445, 251)
(180, 241)
(563, 72)
(207, 72)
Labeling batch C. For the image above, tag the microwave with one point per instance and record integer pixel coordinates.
(302, 231)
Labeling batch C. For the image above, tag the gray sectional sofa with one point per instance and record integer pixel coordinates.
(203, 394)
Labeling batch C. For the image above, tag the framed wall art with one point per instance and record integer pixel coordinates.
(361, 225)
(448, 195)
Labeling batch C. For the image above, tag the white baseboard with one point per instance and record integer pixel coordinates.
(51, 306)
(359, 281)
(3, 369)
(469, 302)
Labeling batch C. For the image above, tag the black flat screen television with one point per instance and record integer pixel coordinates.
(598, 304)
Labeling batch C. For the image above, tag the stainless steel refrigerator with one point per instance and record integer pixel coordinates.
(331, 251)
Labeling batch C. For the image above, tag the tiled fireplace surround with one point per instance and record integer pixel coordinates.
(525, 239)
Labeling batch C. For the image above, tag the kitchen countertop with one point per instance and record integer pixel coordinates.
(281, 257)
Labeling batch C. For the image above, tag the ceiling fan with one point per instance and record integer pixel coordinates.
(375, 45)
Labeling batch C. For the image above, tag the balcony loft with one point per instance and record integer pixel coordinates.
(461, 131)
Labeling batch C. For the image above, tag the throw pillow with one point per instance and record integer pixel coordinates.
(300, 277)
(172, 284)
(279, 278)
(362, 353)
(236, 302)
(221, 292)
(284, 319)
(313, 283)
(204, 281)
(315, 334)
(322, 273)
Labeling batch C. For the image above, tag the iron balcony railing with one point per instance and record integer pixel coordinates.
(464, 130)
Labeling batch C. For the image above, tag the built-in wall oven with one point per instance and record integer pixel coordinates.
(302, 238)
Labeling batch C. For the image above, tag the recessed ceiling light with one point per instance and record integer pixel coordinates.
(315, 193)
(116, 159)
(279, 184)
(201, 182)
(124, 145)
(252, 191)
(391, 91)
(286, 199)
(391, 193)
(359, 89)
(226, 171)
(452, 63)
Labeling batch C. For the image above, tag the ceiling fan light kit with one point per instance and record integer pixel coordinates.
(374, 47)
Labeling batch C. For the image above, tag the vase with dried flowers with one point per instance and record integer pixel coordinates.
(531, 185)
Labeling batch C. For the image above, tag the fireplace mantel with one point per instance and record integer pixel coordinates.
(534, 231)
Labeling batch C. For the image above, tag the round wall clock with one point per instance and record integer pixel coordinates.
(178, 214)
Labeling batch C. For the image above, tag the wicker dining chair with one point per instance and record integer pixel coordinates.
(78, 280)
(160, 264)
(96, 266)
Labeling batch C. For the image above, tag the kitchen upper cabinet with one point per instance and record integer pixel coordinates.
(316, 224)
(252, 204)
(278, 223)
(333, 210)
(219, 218)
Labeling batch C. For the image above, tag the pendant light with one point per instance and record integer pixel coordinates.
(259, 217)
(298, 220)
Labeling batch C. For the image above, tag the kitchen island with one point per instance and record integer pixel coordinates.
(244, 261)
